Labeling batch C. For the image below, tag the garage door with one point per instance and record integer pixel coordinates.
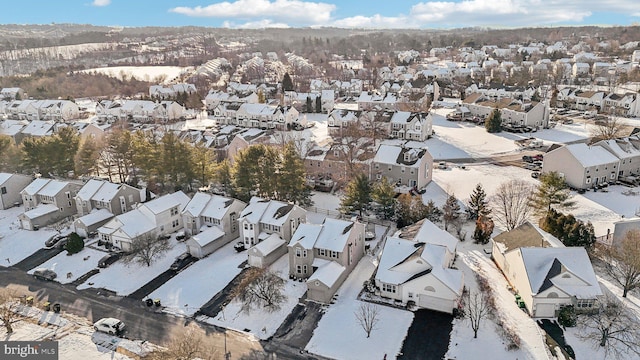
(545, 310)
(434, 303)
(26, 224)
(255, 260)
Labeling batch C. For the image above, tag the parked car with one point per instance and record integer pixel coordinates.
(369, 235)
(44, 274)
(111, 326)
(53, 241)
(239, 246)
(181, 262)
(109, 259)
(527, 158)
(181, 235)
(442, 165)
(538, 157)
(535, 174)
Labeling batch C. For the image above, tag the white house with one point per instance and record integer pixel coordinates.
(419, 273)
(411, 125)
(546, 275)
(404, 167)
(157, 217)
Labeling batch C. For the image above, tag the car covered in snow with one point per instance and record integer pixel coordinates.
(111, 326)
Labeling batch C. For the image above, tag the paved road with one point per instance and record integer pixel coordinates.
(37, 258)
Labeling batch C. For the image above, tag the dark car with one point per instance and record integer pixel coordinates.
(55, 241)
(109, 259)
(527, 158)
(239, 246)
(44, 274)
(181, 262)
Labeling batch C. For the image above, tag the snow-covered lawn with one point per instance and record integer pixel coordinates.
(472, 260)
(340, 336)
(186, 292)
(143, 73)
(71, 267)
(17, 244)
(125, 279)
(262, 323)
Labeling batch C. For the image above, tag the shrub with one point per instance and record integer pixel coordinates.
(567, 316)
(75, 244)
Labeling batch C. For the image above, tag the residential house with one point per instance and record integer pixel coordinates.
(269, 117)
(514, 112)
(628, 155)
(101, 194)
(406, 168)
(374, 100)
(324, 255)
(262, 218)
(47, 201)
(12, 94)
(13, 129)
(582, 166)
(546, 275)
(160, 216)
(267, 251)
(419, 273)
(411, 125)
(205, 211)
(10, 187)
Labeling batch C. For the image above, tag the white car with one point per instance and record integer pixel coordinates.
(110, 326)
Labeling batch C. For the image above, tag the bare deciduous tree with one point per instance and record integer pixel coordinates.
(510, 203)
(476, 309)
(260, 287)
(368, 316)
(613, 327)
(190, 342)
(9, 308)
(608, 129)
(622, 262)
(146, 249)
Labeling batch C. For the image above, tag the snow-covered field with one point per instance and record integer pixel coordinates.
(17, 244)
(71, 267)
(142, 73)
(340, 336)
(261, 323)
(126, 278)
(185, 293)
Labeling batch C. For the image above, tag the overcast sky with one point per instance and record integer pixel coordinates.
(423, 14)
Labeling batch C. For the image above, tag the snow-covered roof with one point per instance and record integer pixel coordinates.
(133, 223)
(405, 260)
(328, 274)
(35, 186)
(590, 155)
(394, 155)
(266, 211)
(621, 148)
(544, 267)
(52, 188)
(431, 234)
(89, 188)
(95, 217)
(331, 235)
(41, 210)
(203, 204)
(270, 244)
(106, 192)
(168, 201)
(208, 236)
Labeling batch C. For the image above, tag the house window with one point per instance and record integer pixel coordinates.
(3, 190)
(174, 211)
(246, 226)
(175, 223)
(299, 269)
(588, 180)
(389, 288)
(304, 268)
(322, 252)
(410, 295)
(585, 303)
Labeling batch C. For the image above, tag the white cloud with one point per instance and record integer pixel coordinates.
(101, 2)
(376, 22)
(289, 11)
(260, 24)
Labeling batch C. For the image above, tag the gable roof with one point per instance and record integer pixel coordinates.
(406, 260)
(543, 265)
(271, 212)
(168, 201)
(328, 273)
(331, 235)
(589, 155)
(525, 235)
(431, 234)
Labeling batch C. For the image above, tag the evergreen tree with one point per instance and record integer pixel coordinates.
(483, 230)
(433, 213)
(318, 104)
(410, 209)
(568, 229)
(253, 172)
(10, 155)
(74, 244)
(222, 175)
(450, 211)
(478, 204)
(551, 192)
(309, 105)
(357, 195)
(493, 123)
(292, 178)
(86, 159)
(287, 83)
(202, 160)
(384, 194)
